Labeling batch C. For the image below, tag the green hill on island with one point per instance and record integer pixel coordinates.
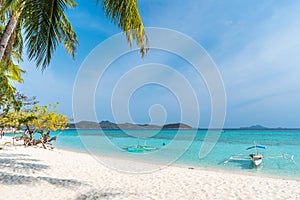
(113, 126)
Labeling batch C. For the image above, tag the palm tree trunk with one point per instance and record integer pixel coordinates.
(9, 29)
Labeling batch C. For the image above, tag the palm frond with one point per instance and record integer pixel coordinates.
(12, 5)
(7, 90)
(69, 35)
(45, 27)
(125, 14)
(14, 73)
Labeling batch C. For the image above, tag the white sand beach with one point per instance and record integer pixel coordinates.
(34, 173)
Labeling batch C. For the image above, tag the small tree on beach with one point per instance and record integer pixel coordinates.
(43, 120)
(40, 120)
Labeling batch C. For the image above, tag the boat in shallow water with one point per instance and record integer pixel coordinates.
(139, 148)
(257, 157)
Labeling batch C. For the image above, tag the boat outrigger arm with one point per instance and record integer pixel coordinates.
(285, 156)
(237, 157)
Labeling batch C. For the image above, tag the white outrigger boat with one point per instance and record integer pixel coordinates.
(257, 157)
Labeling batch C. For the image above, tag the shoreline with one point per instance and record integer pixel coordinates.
(36, 173)
(181, 165)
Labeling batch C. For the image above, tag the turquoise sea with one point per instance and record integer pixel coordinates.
(111, 143)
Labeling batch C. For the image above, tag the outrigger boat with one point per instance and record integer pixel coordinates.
(139, 148)
(257, 157)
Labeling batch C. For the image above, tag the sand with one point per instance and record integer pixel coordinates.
(35, 173)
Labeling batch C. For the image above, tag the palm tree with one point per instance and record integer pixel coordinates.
(46, 25)
(9, 67)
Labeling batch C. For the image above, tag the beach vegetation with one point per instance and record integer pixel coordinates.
(36, 121)
(8, 75)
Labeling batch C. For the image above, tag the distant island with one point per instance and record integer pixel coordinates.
(107, 125)
(260, 127)
(254, 127)
(126, 126)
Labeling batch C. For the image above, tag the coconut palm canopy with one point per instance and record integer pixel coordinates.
(44, 25)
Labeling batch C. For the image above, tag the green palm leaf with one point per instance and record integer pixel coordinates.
(125, 14)
(45, 27)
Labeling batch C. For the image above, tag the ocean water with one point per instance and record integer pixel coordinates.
(184, 150)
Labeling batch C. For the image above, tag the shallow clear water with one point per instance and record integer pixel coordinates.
(230, 142)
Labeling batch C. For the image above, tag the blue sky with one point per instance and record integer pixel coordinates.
(254, 44)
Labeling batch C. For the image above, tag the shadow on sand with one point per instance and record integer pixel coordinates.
(13, 166)
(14, 179)
(96, 194)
